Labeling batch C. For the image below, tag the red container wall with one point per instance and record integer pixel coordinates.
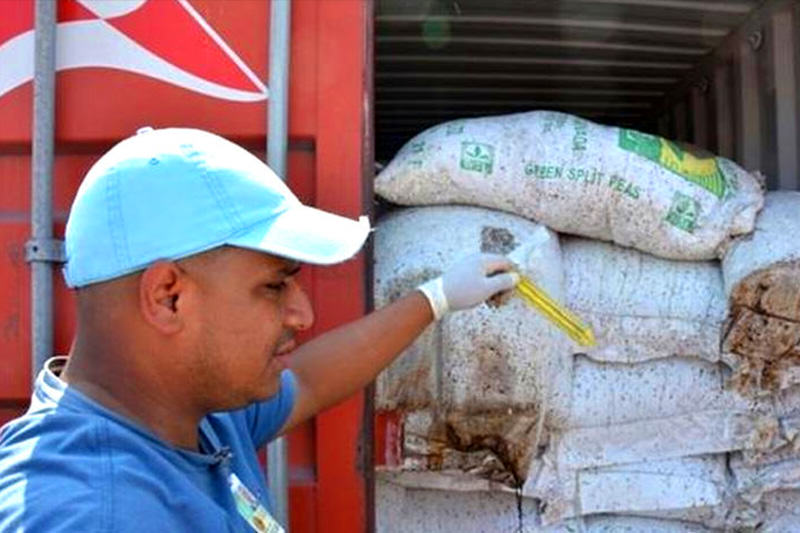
(102, 98)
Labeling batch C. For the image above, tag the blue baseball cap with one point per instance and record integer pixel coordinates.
(174, 192)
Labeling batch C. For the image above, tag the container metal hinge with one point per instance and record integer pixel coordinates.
(45, 251)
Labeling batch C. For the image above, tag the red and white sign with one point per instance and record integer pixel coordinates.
(167, 40)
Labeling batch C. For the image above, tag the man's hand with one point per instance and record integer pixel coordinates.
(470, 281)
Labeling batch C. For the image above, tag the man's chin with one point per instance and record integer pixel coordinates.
(268, 392)
(254, 396)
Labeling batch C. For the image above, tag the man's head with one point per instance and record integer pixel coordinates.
(172, 193)
(216, 326)
(184, 247)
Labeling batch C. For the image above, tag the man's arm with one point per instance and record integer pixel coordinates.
(338, 363)
(335, 365)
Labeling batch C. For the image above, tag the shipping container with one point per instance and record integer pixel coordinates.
(720, 74)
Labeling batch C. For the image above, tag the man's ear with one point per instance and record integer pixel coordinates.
(161, 289)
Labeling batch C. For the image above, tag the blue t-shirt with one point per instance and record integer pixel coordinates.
(70, 464)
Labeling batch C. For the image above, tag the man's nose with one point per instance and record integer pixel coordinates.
(299, 314)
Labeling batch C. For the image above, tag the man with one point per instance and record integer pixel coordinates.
(184, 250)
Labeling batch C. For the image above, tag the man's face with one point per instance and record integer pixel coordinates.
(248, 306)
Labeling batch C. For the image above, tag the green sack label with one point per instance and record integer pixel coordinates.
(417, 147)
(454, 128)
(684, 212)
(478, 157)
(703, 172)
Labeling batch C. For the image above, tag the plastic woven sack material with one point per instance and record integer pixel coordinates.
(493, 447)
(756, 477)
(400, 510)
(687, 488)
(665, 438)
(605, 394)
(762, 280)
(781, 512)
(493, 377)
(787, 407)
(643, 307)
(404, 509)
(581, 178)
(631, 524)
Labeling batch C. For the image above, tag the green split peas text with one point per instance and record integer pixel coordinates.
(454, 128)
(554, 172)
(624, 186)
(587, 176)
(543, 172)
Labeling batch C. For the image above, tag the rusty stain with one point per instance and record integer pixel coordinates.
(774, 291)
(495, 444)
(493, 372)
(764, 328)
(488, 433)
(491, 445)
(407, 388)
(760, 336)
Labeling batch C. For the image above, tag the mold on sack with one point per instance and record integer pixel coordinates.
(497, 241)
(480, 387)
(488, 445)
(762, 279)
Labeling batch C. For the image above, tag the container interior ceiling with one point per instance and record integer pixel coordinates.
(612, 61)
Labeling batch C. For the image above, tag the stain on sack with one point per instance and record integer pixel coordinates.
(763, 330)
(493, 374)
(401, 286)
(489, 445)
(497, 241)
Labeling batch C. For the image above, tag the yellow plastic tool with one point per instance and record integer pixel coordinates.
(555, 312)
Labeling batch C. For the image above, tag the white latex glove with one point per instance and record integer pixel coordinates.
(470, 281)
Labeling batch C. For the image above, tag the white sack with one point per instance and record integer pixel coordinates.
(629, 524)
(689, 488)
(755, 477)
(490, 377)
(461, 451)
(581, 178)
(643, 307)
(773, 242)
(401, 510)
(781, 512)
(762, 280)
(605, 394)
(787, 406)
(695, 433)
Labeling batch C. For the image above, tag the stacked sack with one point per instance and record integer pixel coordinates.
(685, 415)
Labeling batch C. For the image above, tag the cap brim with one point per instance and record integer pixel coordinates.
(307, 235)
